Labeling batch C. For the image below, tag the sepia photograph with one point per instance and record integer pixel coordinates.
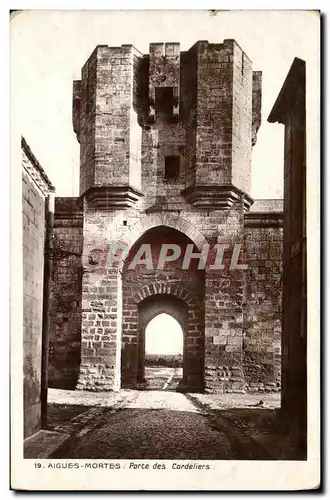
(166, 226)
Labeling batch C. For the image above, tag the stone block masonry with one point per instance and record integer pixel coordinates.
(165, 157)
(290, 110)
(35, 190)
(263, 298)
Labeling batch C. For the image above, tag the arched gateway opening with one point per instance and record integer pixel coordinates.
(149, 292)
(162, 321)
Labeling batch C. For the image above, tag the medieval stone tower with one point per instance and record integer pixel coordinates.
(165, 157)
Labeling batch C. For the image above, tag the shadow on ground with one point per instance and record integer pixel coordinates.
(60, 414)
(169, 425)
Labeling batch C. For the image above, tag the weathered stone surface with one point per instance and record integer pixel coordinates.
(290, 110)
(263, 309)
(177, 128)
(65, 318)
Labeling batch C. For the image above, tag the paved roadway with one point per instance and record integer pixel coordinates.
(148, 425)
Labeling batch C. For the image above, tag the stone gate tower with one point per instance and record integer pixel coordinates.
(165, 157)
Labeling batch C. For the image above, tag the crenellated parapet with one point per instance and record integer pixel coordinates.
(168, 122)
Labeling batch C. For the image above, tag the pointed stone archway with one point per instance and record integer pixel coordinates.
(151, 307)
(179, 303)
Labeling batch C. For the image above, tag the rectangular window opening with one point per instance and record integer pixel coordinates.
(164, 102)
(172, 167)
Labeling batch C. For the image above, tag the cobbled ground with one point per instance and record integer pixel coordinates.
(151, 425)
